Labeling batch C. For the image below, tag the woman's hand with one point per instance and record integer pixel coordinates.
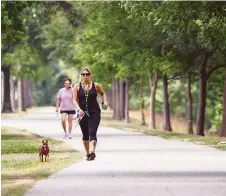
(104, 105)
(81, 113)
(99, 89)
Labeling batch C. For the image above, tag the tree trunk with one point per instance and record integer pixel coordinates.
(16, 104)
(24, 95)
(142, 102)
(20, 95)
(223, 128)
(117, 100)
(166, 113)
(12, 94)
(153, 80)
(30, 100)
(7, 107)
(121, 100)
(127, 100)
(202, 98)
(2, 90)
(189, 104)
(114, 96)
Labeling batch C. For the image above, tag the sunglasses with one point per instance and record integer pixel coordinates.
(85, 74)
(67, 83)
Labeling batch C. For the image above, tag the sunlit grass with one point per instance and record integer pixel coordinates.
(17, 114)
(21, 166)
(135, 125)
(11, 115)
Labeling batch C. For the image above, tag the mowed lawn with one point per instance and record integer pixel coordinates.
(179, 129)
(21, 166)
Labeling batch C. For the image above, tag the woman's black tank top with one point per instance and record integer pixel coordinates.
(92, 104)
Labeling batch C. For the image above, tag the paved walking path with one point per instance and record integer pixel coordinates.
(129, 164)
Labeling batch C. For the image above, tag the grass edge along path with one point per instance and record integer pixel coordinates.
(19, 114)
(135, 126)
(21, 166)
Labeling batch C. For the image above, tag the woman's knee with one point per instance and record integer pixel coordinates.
(85, 133)
(70, 118)
(85, 137)
(63, 121)
(70, 122)
(92, 134)
(93, 138)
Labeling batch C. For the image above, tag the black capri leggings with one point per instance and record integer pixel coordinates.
(89, 126)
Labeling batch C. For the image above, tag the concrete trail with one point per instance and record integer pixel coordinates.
(129, 164)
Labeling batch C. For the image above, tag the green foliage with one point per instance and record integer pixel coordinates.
(214, 107)
(11, 23)
(59, 35)
(122, 40)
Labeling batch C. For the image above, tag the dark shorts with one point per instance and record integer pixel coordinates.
(67, 111)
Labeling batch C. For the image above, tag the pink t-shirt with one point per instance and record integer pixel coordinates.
(66, 99)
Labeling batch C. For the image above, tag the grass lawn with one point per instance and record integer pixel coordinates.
(10, 115)
(21, 167)
(33, 110)
(20, 113)
(135, 125)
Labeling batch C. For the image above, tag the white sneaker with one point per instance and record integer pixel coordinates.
(65, 135)
(69, 136)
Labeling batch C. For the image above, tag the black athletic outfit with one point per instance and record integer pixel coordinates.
(90, 122)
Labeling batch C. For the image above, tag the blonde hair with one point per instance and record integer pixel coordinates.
(84, 69)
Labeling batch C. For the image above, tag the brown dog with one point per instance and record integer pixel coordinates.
(44, 150)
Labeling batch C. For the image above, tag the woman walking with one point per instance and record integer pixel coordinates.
(67, 107)
(85, 99)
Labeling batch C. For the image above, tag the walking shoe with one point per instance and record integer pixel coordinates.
(69, 136)
(87, 156)
(65, 135)
(92, 156)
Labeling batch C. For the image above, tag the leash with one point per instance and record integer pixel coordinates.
(87, 113)
(78, 118)
(78, 121)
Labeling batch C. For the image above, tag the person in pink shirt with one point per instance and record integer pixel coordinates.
(66, 105)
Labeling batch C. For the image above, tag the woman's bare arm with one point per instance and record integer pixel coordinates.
(75, 96)
(57, 104)
(101, 92)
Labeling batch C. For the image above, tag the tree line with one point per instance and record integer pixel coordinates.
(135, 49)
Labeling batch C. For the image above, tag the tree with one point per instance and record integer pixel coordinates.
(12, 24)
(12, 33)
(189, 31)
(7, 107)
(223, 128)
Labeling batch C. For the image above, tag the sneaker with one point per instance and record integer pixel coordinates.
(65, 135)
(87, 156)
(69, 136)
(92, 156)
